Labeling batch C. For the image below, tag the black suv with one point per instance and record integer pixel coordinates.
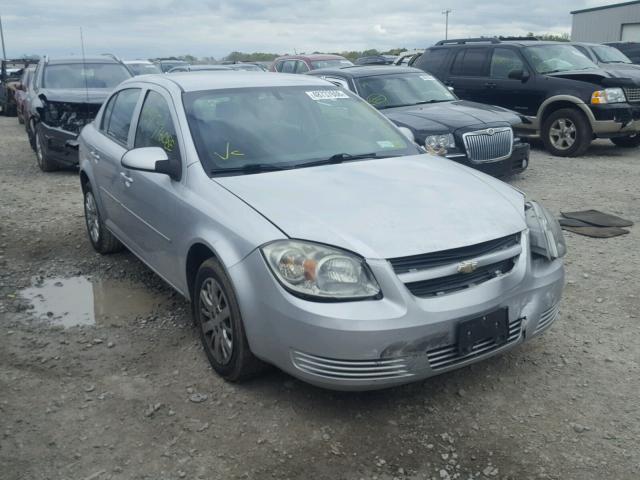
(563, 96)
(66, 95)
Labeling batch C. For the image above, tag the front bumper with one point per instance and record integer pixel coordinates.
(616, 119)
(516, 163)
(398, 339)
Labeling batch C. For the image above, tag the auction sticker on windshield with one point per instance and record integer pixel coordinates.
(326, 94)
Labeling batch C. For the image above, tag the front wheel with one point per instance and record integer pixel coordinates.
(630, 141)
(566, 133)
(45, 162)
(217, 315)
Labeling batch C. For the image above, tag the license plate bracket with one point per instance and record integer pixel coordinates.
(491, 326)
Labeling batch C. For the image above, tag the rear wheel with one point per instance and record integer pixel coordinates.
(630, 141)
(102, 240)
(45, 162)
(566, 133)
(217, 316)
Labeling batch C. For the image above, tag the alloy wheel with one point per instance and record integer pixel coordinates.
(91, 216)
(215, 321)
(562, 133)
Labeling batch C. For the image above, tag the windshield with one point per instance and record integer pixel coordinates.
(607, 54)
(88, 75)
(143, 68)
(331, 63)
(557, 58)
(166, 66)
(286, 127)
(402, 89)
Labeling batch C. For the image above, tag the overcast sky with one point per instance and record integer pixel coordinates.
(152, 28)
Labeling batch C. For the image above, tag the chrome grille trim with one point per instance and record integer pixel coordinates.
(447, 356)
(382, 369)
(547, 318)
(633, 94)
(488, 145)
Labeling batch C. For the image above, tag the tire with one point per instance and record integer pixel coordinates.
(566, 133)
(630, 141)
(45, 162)
(29, 127)
(20, 119)
(102, 240)
(217, 316)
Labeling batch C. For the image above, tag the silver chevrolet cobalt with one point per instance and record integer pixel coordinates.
(310, 233)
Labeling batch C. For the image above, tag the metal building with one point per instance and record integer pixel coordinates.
(609, 23)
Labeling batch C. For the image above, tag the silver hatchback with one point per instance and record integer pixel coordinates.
(310, 233)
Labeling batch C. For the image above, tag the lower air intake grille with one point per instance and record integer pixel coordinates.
(351, 369)
(459, 281)
(443, 357)
(547, 318)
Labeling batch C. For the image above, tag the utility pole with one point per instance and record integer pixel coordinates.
(4, 53)
(446, 23)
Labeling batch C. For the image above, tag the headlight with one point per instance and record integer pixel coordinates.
(439, 144)
(319, 272)
(608, 95)
(545, 234)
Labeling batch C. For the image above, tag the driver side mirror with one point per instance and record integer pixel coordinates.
(150, 159)
(519, 74)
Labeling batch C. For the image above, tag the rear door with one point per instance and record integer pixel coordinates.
(106, 152)
(468, 74)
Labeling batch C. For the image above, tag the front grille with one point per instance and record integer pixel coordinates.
(443, 357)
(444, 257)
(633, 94)
(381, 369)
(459, 281)
(547, 318)
(489, 145)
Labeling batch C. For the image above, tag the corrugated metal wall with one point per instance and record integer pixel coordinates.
(603, 25)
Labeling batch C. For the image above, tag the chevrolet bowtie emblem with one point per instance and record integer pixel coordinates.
(468, 266)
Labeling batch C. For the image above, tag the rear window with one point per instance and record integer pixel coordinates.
(87, 75)
(470, 62)
(333, 63)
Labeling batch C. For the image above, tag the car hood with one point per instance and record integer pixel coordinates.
(449, 116)
(92, 95)
(385, 208)
(607, 78)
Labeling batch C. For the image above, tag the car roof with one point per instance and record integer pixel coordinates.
(69, 60)
(365, 71)
(130, 62)
(223, 79)
(521, 43)
(312, 57)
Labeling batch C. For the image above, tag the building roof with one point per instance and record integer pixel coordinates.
(605, 7)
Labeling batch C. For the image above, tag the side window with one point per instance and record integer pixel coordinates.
(301, 67)
(469, 62)
(104, 123)
(431, 60)
(504, 61)
(121, 113)
(155, 127)
(288, 66)
(340, 82)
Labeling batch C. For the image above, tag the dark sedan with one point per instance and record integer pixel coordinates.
(480, 136)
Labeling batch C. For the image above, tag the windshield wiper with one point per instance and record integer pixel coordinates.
(248, 169)
(431, 101)
(342, 157)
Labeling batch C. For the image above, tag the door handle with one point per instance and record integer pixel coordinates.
(94, 154)
(126, 179)
(490, 84)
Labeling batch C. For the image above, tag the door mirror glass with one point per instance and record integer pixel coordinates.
(518, 75)
(145, 159)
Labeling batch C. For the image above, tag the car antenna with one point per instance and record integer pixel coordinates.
(84, 72)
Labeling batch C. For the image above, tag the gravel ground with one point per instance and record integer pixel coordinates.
(133, 397)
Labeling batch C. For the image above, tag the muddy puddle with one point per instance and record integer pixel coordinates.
(83, 301)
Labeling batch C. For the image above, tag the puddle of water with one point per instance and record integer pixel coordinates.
(80, 301)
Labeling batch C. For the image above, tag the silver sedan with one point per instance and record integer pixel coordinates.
(310, 233)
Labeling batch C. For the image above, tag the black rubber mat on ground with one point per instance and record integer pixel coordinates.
(597, 218)
(597, 232)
